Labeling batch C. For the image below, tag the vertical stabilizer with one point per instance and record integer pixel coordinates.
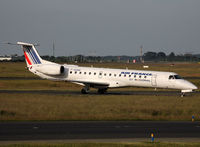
(31, 55)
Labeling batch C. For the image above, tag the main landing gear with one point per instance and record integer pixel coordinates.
(85, 90)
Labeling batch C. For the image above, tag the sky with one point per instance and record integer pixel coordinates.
(101, 27)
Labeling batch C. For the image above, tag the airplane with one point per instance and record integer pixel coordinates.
(101, 78)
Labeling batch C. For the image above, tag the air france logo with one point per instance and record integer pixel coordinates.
(136, 73)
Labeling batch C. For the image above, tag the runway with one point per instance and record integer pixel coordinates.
(63, 130)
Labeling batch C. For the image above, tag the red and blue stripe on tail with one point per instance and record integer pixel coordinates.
(30, 53)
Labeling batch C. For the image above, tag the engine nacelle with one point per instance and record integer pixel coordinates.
(50, 69)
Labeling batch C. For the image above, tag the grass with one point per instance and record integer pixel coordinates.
(146, 144)
(37, 85)
(11, 69)
(97, 107)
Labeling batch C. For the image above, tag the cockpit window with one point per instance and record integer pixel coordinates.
(171, 77)
(175, 77)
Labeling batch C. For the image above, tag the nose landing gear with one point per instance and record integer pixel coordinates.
(85, 90)
(182, 94)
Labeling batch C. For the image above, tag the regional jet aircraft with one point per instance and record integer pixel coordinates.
(101, 78)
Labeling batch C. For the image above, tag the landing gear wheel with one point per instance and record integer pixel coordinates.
(102, 90)
(83, 91)
(182, 94)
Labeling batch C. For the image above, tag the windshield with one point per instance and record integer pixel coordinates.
(175, 77)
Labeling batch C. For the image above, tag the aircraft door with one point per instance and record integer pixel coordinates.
(66, 72)
(153, 80)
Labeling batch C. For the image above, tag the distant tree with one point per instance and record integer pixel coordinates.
(150, 56)
(171, 56)
(79, 58)
(161, 56)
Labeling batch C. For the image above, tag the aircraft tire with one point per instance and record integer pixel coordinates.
(83, 91)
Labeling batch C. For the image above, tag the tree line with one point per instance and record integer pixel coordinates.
(147, 57)
(161, 56)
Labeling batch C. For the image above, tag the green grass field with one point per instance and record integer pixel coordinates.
(98, 107)
(94, 107)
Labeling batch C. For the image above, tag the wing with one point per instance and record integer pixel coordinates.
(93, 84)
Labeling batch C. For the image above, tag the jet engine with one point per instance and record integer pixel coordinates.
(50, 69)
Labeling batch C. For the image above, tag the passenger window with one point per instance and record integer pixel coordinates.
(145, 77)
(89, 73)
(80, 72)
(115, 75)
(75, 72)
(70, 72)
(134, 76)
(140, 76)
(95, 73)
(100, 74)
(85, 73)
(105, 74)
(119, 75)
(124, 75)
(129, 75)
(110, 74)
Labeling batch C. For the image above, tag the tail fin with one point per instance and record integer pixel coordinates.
(31, 55)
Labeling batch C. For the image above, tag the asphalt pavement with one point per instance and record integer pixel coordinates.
(63, 130)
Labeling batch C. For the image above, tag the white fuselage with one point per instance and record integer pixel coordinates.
(113, 78)
(101, 78)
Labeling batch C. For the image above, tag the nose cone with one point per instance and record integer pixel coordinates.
(185, 85)
(189, 85)
(194, 87)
